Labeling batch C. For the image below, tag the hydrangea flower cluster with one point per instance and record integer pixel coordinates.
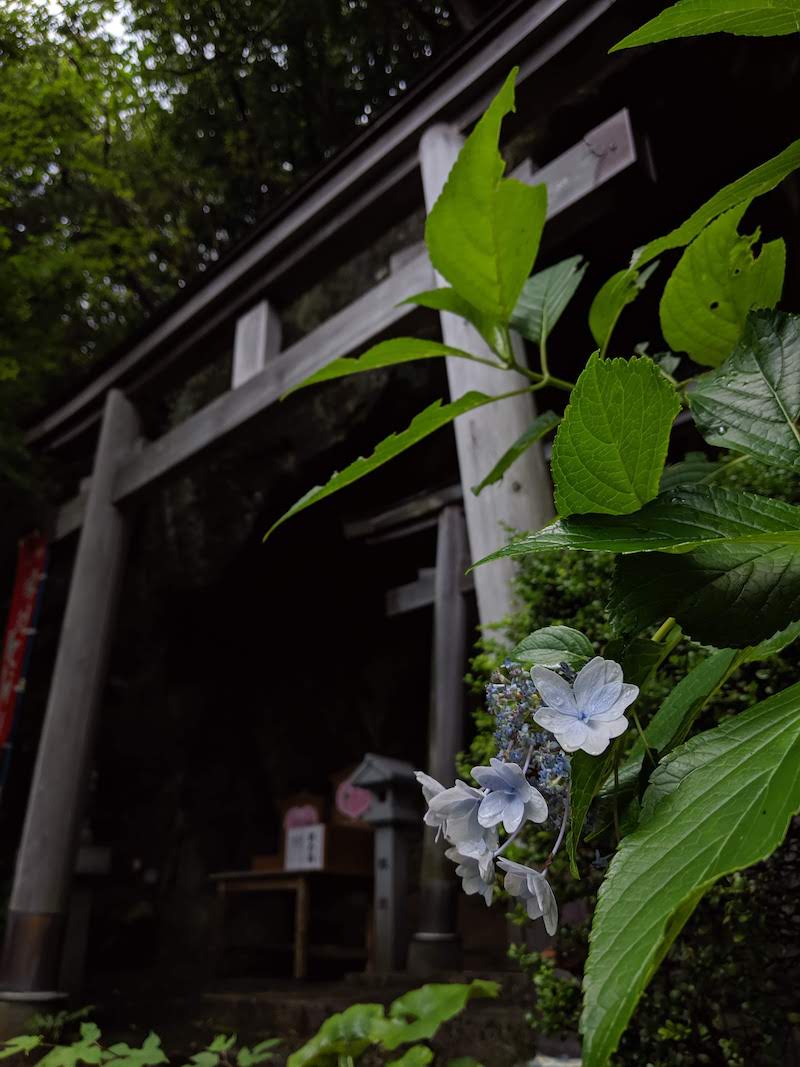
(529, 780)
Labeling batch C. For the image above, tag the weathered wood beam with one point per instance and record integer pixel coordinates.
(416, 507)
(374, 169)
(46, 856)
(420, 593)
(354, 327)
(256, 340)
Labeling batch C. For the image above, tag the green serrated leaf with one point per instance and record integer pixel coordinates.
(751, 404)
(427, 422)
(222, 1042)
(716, 283)
(587, 774)
(553, 645)
(639, 658)
(709, 821)
(483, 232)
(539, 428)
(21, 1045)
(775, 644)
(347, 1033)
(385, 354)
(544, 297)
(612, 298)
(611, 445)
(417, 1015)
(694, 18)
(687, 517)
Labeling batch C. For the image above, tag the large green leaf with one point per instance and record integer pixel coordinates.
(693, 18)
(384, 354)
(693, 468)
(347, 1033)
(540, 426)
(544, 297)
(726, 798)
(684, 518)
(610, 448)
(586, 776)
(417, 1015)
(752, 403)
(427, 422)
(716, 283)
(612, 298)
(553, 645)
(483, 232)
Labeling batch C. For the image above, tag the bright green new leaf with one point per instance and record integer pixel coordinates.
(263, 1051)
(694, 18)
(751, 404)
(687, 517)
(427, 422)
(716, 283)
(610, 448)
(540, 426)
(775, 644)
(445, 299)
(711, 819)
(21, 1045)
(222, 1043)
(151, 1053)
(347, 1033)
(416, 1016)
(384, 354)
(544, 297)
(483, 232)
(620, 290)
(416, 1056)
(587, 774)
(553, 645)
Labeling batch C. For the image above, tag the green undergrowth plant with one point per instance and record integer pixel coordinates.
(606, 737)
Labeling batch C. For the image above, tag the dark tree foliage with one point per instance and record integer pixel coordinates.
(139, 140)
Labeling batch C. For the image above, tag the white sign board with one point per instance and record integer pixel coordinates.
(305, 848)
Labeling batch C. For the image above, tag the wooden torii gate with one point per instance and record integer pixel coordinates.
(126, 466)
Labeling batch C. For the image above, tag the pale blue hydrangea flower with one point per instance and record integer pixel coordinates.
(534, 890)
(430, 789)
(477, 876)
(588, 713)
(511, 798)
(455, 810)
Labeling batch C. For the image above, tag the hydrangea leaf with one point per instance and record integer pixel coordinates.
(553, 645)
(716, 283)
(611, 445)
(695, 18)
(612, 298)
(693, 468)
(416, 1056)
(709, 821)
(427, 422)
(687, 517)
(418, 1015)
(751, 404)
(483, 232)
(384, 354)
(544, 297)
(539, 428)
(21, 1045)
(586, 776)
(347, 1033)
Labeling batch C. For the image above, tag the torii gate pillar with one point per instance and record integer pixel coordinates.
(46, 856)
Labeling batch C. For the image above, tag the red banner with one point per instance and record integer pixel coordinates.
(31, 563)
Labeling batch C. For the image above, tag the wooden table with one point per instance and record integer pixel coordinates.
(299, 883)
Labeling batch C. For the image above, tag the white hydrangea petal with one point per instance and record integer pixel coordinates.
(430, 787)
(597, 739)
(550, 910)
(466, 833)
(511, 773)
(533, 908)
(597, 673)
(490, 812)
(553, 720)
(455, 802)
(513, 814)
(515, 884)
(489, 778)
(554, 691)
(536, 807)
(601, 700)
(571, 737)
(628, 693)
